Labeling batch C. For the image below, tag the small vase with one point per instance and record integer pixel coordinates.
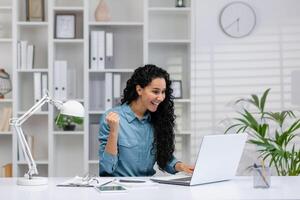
(102, 12)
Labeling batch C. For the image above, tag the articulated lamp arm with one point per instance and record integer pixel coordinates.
(17, 123)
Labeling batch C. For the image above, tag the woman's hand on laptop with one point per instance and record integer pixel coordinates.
(181, 167)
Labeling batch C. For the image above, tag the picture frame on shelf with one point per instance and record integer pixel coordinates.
(177, 89)
(35, 10)
(65, 26)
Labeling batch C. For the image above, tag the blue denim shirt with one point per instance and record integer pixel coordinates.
(135, 140)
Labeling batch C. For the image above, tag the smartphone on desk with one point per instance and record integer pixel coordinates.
(111, 188)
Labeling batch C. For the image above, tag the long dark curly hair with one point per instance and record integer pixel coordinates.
(163, 119)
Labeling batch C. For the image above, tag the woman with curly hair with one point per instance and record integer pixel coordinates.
(140, 131)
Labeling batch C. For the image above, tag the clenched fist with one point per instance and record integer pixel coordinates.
(113, 120)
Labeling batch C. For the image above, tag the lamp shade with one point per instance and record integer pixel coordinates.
(72, 108)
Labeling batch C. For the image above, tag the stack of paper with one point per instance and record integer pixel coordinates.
(78, 181)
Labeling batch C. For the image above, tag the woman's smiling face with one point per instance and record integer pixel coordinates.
(153, 94)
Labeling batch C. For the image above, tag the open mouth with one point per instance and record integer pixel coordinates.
(155, 103)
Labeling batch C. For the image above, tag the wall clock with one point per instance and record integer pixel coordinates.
(237, 19)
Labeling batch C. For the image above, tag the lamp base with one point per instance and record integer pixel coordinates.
(33, 181)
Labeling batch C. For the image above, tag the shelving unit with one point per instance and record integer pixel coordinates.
(144, 31)
(169, 46)
(6, 62)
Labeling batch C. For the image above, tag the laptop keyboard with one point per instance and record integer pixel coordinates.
(183, 179)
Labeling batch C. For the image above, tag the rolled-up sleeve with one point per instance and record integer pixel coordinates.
(170, 168)
(107, 161)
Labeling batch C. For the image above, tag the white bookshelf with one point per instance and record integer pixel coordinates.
(169, 46)
(5, 8)
(144, 31)
(6, 62)
(68, 41)
(68, 8)
(5, 133)
(5, 40)
(24, 23)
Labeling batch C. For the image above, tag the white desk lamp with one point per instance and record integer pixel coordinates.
(71, 108)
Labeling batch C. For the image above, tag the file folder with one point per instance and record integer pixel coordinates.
(101, 50)
(94, 50)
(37, 87)
(109, 50)
(108, 90)
(116, 88)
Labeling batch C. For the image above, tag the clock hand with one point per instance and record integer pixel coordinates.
(231, 24)
(238, 24)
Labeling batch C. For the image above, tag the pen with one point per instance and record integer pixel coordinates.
(131, 181)
(107, 183)
(261, 174)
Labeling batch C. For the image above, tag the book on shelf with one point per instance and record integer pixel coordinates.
(72, 83)
(94, 50)
(116, 88)
(25, 55)
(37, 80)
(40, 85)
(108, 49)
(101, 56)
(30, 56)
(108, 90)
(97, 50)
(44, 89)
(7, 170)
(60, 79)
(6, 114)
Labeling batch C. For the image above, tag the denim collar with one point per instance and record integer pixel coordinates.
(130, 115)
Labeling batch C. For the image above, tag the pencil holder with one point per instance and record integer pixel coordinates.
(261, 176)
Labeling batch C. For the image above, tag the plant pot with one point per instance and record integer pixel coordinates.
(70, 127)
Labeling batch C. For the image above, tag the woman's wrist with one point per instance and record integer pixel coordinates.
(178, 167)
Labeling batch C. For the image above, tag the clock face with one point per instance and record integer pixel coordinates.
(237, 19)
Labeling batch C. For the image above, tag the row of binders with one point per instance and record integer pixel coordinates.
(111, 94)
(65, 81)
(25, 55)
(40, 81)
(101, 55)
(60, 80)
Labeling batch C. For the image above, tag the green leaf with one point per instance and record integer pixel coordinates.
(263, 100)
(272, 146)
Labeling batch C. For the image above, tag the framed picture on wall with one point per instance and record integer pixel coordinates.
(65, 26)
(177, 89)
(35, 10)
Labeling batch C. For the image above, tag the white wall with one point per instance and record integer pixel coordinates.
(224, 69)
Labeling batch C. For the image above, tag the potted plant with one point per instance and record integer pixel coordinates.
(67, 123)
(274, 133)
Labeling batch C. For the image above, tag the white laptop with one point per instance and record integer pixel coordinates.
(217, 160)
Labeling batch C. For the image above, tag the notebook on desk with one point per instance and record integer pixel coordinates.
(217, 160)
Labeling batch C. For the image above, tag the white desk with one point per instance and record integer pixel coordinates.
(240, 188)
